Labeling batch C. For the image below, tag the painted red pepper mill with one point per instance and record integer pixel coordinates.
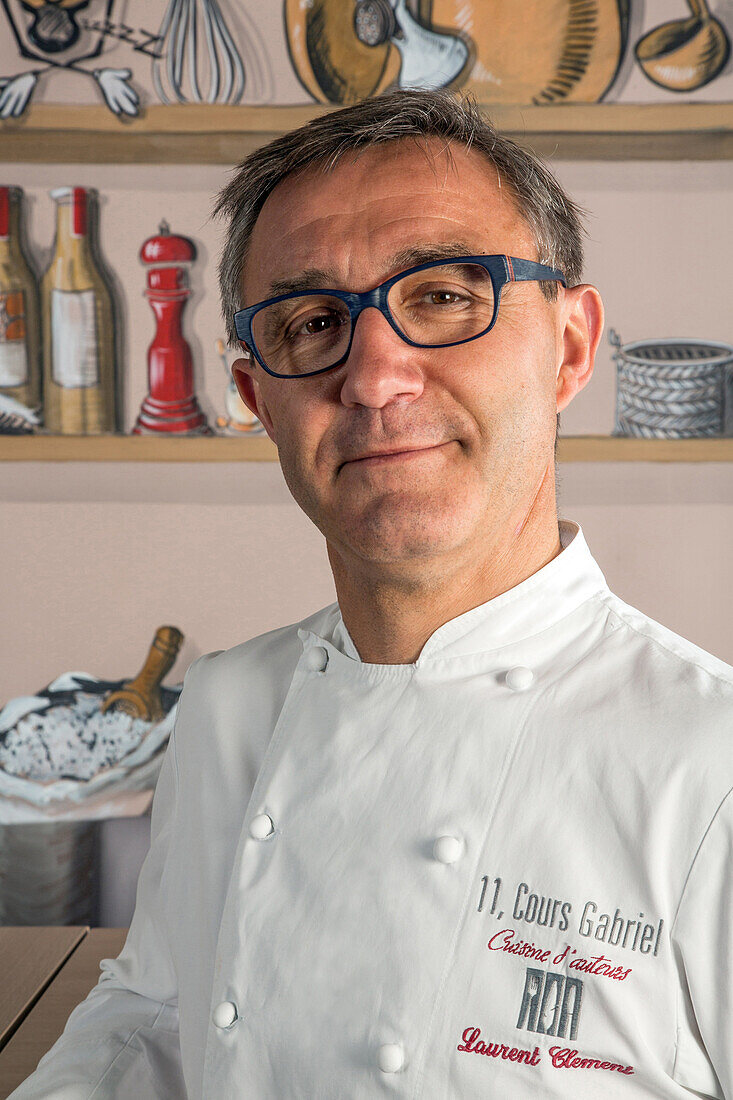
(171, 404)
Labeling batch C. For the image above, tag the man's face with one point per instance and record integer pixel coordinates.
(482, 413)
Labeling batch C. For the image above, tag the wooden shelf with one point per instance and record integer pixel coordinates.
(216, 134)
(145, 448)
(135, 448)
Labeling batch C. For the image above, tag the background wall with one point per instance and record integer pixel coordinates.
(95, 557)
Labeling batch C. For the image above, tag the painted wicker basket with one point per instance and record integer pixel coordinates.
(672, 388)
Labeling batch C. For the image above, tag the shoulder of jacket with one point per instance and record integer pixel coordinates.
(685, 662)
(276, 649)
(668, 707)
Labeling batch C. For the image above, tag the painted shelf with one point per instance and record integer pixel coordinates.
(217, 134)
(129, 448)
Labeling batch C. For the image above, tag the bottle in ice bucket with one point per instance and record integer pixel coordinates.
(20, 330)
(79, 383)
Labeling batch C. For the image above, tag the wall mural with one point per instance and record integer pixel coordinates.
(63, 35)
(546, 51)
(193, 54)
(130, 55)
(536, 52)
(685, 54)
(134, 54)
(673, 389)
(171, 405)
(183, 67)
(238, 420)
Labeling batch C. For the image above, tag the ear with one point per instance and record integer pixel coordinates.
(250, 391)
(582, 317)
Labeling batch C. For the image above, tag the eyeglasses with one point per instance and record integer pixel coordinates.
(434, 305)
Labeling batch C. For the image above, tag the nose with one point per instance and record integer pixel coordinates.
(381, 367)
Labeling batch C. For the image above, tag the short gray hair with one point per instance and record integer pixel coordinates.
(553, 218)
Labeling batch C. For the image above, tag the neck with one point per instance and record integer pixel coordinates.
(390, 616)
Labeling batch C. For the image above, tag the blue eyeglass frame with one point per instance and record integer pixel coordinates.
(502, 269)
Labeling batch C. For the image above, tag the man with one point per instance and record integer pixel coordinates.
(464, 832)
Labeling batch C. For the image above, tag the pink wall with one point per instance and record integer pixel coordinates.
(94, 557)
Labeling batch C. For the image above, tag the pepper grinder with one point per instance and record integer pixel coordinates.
(171, 405)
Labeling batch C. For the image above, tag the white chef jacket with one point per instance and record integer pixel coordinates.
(501, 871)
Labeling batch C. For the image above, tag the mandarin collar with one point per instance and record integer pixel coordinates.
(549, 595)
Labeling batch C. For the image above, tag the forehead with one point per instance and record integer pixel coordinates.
(356, 218)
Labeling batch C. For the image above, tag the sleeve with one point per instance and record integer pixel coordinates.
(122, 1041)
(702, 939)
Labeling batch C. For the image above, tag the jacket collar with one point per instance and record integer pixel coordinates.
(533, 605)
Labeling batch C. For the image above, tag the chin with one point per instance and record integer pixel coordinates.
(395, 542)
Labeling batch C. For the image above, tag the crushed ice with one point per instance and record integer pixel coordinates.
(70, 742)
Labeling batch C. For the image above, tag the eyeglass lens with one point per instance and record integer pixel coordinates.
(438, 306)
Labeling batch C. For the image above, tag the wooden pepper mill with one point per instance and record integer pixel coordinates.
(140, 698)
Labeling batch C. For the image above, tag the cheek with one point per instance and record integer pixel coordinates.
(510, 400)
(301, 422)
(487, 386)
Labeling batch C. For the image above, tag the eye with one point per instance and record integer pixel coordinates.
(317, 324)
(443, 297)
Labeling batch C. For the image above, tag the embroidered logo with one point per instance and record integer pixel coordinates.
(550, 1003)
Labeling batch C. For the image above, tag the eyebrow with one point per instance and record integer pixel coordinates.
(316, 278)
(311, 278)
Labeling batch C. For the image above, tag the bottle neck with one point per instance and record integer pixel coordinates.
(72, 239)
(9, 224)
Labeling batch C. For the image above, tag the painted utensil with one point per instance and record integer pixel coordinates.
(685, 54)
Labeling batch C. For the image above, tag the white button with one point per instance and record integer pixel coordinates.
(225, 1014)
(391, 1057)
(519, 678)
(447, 849)
(261, 826)
(316, 658)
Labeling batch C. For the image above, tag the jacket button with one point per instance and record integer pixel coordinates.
(447, 849)
(519, 678)
(261, 826)
(391, 1057)
(316, 659)
(225, 1014)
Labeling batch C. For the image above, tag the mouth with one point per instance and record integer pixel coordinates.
(387, 458)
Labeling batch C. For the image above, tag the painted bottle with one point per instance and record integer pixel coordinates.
(20, 329)
(79, 370)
